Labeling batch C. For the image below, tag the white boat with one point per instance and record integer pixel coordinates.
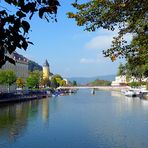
(123, 91)
(130, 93)
(134, 92)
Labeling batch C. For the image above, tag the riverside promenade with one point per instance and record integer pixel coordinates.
(12, 97)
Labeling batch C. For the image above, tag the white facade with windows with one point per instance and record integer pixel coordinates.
(20, 68)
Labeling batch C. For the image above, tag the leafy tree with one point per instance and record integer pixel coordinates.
(20, 82)
(128, 16)
(121, 70)
(74, 83)
(7, 77)
(33, 80)
(63, 83)
(134, 84)
(54, 83)
(57, 76)
(134, 68)
(58, 79)
(14, 27)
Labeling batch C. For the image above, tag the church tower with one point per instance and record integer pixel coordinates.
(46, 70)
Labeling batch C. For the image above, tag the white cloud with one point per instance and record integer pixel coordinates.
(99, 42)
(104, 41)
(87, 61)
(98, 59)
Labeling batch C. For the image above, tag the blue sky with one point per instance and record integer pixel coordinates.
(70, 50)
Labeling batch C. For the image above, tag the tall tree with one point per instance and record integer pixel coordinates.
(14, 24)
(121, 70)
(7, 77)
(134, 68)
(54, 83)
(33, 79)
(74, 83)
(129, 16)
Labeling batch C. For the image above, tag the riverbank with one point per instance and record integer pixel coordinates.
(13, 97)
(113, 88)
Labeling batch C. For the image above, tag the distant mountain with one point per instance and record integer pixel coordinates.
(34, 66)
(85, 80)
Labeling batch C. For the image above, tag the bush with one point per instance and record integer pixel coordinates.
(135, 84)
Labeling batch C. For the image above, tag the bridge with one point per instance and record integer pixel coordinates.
(94, 87)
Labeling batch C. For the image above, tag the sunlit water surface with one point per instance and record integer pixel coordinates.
(104, 120)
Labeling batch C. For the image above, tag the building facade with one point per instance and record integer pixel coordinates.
(119, 80)
(122, 80)
(20, 69)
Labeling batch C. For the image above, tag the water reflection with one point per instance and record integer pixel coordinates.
(14, 117)
(131, 101)
(107, 119)
(45, 109)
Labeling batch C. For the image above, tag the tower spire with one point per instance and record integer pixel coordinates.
(46, 63)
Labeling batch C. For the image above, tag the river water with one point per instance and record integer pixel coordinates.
(104, 120)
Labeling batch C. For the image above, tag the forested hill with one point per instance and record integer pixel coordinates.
(34, 66)
(99, 83)
(86, 80)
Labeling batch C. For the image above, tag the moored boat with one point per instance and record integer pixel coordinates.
(130, 93)
(134, 92)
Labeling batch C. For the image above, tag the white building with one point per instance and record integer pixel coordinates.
(120, 80)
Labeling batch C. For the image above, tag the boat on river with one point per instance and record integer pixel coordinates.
(93, 91)
(134, 92)
(130, 93)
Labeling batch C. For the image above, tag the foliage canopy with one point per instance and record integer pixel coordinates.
(7, 77)
(127, 16)
(33, 79)
(14, 24)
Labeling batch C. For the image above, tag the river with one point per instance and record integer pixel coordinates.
(104, 120)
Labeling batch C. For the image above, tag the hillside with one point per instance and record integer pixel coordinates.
(34, 66)
(99, 83)
(86, 80)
